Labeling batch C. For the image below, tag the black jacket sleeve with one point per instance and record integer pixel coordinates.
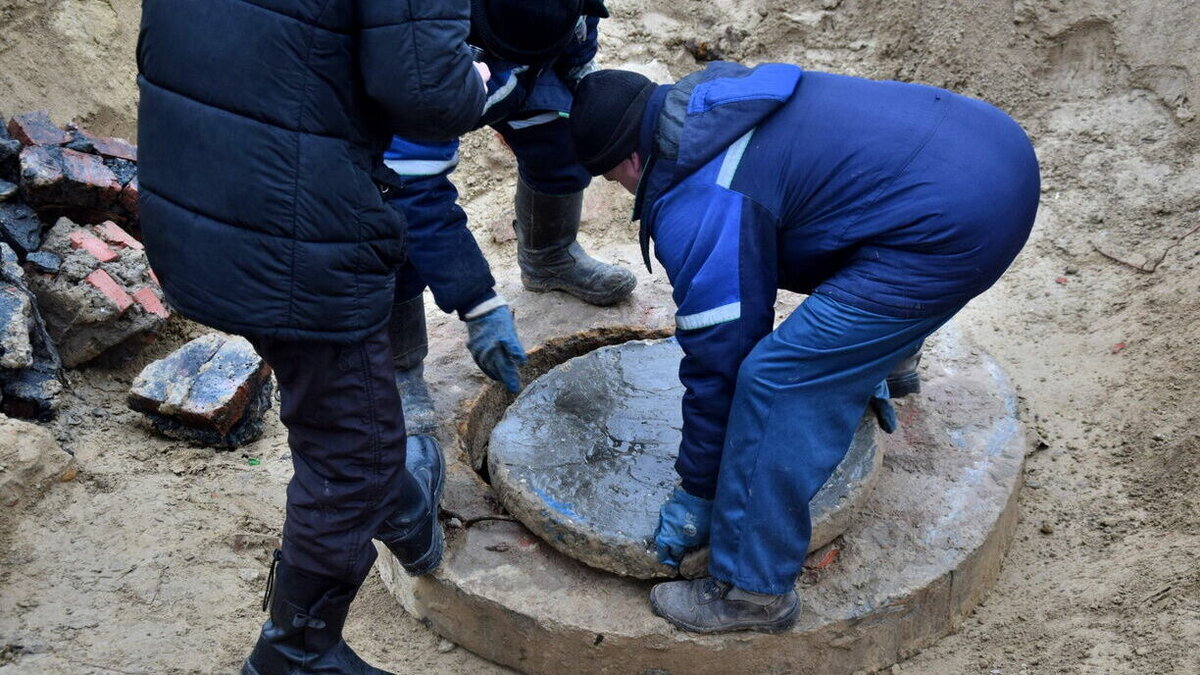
(416, 66)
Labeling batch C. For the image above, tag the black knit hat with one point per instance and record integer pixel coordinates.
(606, 117)
(528, 31)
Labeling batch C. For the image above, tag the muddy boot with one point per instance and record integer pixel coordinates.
(413, 533)
(711, 606)
(903, 379)
(550, 257)
(304, 634)
(410, 346)
(419, 414)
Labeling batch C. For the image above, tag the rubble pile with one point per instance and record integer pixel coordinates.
(74, 281)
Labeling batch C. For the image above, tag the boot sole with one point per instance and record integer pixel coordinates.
(779, 625)
(433, 557)
(620, 293)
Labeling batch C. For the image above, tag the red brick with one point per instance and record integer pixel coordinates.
(82, 239)
(36, 128)
(148, 299)
(153, 277)
(823, 558)
(90, 172)
(61, 181)
(39, 168)
(111, 147)
(111, 290)
(113, 234)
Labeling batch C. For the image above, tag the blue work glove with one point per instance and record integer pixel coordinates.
(492, 341)
(881, 405)
(683, 524)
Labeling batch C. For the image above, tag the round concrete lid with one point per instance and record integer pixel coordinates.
(585, 457)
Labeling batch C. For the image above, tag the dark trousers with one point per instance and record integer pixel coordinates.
(346, 433)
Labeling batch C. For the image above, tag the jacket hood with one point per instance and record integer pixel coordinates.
(707, 111)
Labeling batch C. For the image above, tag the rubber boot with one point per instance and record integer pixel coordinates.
(413, 533)
(903, 380)
(304, 634)
(410, 346)
(709, 605)
(552, 260)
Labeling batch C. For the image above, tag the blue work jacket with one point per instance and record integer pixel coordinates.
(900, 199)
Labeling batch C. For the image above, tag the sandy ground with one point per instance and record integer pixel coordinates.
(152, 559)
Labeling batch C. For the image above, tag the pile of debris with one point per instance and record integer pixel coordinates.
(74, 281)
(75, 286)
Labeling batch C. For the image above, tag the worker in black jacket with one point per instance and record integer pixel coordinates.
(260, 127)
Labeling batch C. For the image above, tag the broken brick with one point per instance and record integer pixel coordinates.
(81, 239)
(824, 558)
(60, 182)
(149, 301)
(108, 146)
(103, 282)
(36, 128)
(88, 307)
(212, 390)
(113, 234)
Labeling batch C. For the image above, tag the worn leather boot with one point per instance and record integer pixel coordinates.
(304, 634)
(413, 533)
(410, 346)
(903, 379)
(709, 605)
(550, 257)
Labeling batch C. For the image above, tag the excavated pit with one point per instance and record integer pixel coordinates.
(916, 557)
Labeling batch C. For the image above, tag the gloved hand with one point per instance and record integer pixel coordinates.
(683, 524)
(492, 341)
(881, 405)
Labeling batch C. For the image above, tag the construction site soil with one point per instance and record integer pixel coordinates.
(153, 558)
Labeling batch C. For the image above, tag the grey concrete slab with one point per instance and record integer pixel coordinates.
(915, 560)
(585, 456)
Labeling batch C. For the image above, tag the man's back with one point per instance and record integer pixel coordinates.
(259, 122)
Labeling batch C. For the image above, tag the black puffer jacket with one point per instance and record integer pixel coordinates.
(259, 121)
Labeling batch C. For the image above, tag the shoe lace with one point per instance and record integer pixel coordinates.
(713, 589)
(271, 580)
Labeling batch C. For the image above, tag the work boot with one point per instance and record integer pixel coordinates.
(303, 635)
(410, 346)
(709, 605)
(552, 260)
(903, 379)
(413, 533)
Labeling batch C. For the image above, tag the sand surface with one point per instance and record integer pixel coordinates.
(153, 559)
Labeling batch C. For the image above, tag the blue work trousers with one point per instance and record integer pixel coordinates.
(799, 397)
(346, 434)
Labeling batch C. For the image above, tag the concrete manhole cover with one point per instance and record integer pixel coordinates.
(585, 456)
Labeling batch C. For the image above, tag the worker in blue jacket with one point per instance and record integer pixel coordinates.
(260, 124)
(890, 204)
(536, 53)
